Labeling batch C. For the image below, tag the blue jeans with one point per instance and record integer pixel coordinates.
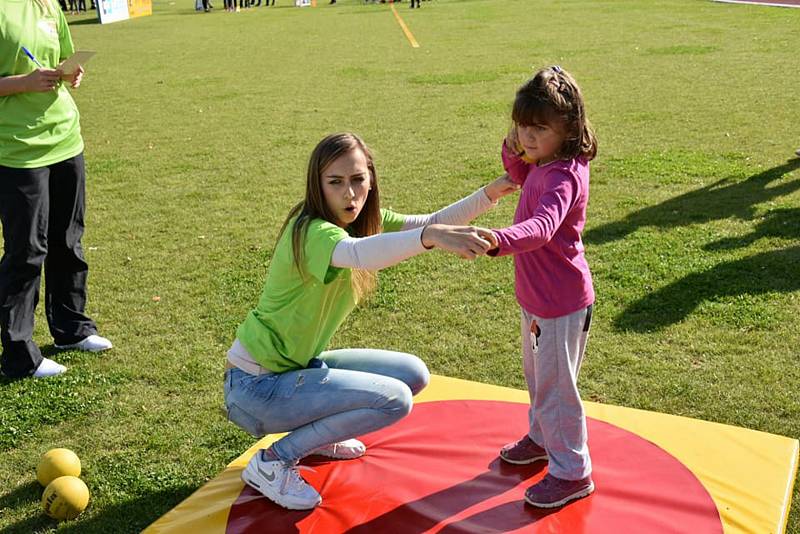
(362, 390)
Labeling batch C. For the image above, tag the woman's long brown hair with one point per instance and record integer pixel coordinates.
(367, 223)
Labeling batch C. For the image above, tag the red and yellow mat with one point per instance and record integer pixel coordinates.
(437, 471)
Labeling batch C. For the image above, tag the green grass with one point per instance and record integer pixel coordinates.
(198, 128)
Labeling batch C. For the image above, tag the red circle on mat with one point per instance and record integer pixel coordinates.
(438, 471)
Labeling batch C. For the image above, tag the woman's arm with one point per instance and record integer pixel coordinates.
(387, 249)
(466, 209)
(39, 80)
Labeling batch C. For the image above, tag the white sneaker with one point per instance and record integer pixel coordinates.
(49, 368)
(343, 450)
(280, 483)
(93, 343)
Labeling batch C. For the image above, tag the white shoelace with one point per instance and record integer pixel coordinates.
(293, 480)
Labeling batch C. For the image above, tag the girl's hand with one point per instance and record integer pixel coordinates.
(41, 80)
(501, 187)
(469, 242)
(489, 236)
(512, 141)
(75, 78)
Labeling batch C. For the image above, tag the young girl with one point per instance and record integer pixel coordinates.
(279, 376)
(548, 151)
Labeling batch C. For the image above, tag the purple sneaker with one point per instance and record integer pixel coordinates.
(552, 492)
(524, 451)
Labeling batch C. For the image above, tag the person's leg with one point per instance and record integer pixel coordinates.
(530, 332)
(316, 406)
(529, 448)
(557, 403)
(65, 268)
(24, 207)
(400, 365)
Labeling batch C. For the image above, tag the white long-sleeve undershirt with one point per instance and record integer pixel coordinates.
(390, 248)
(457, 213)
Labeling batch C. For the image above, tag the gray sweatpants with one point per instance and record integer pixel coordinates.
(552, 361)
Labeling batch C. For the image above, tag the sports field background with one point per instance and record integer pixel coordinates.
(198, 129)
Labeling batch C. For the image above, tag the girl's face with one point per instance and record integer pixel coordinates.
(541, 141)
(346, 183)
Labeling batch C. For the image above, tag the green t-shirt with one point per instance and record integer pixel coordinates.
(297, 314)
(41, 128)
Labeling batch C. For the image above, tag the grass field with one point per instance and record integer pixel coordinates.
(198, 128)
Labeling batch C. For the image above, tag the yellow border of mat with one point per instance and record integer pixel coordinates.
(749, 474)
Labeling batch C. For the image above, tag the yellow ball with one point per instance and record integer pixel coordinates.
(57, 463)
(65, 498)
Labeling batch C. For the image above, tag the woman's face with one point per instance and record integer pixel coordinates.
(346, 183)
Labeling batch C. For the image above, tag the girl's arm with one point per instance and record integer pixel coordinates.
(536, 231)
(466, 209)
(384, 250)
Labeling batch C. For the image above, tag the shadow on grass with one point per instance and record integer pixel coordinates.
(719, 200)
(23, 496)
(130, 516)
(48, 351)
(779, 223)
(774, 271)
(84, 22)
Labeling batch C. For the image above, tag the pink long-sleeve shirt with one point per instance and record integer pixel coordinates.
(551, 273)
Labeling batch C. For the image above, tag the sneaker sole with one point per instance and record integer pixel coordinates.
(249, 479)
(335, 456)
(578, 495)
(524, 462)
(76, 347)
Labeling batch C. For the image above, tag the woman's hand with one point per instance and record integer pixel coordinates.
(41, 80)
(501, 187)
(469, 242)
(75, 78)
